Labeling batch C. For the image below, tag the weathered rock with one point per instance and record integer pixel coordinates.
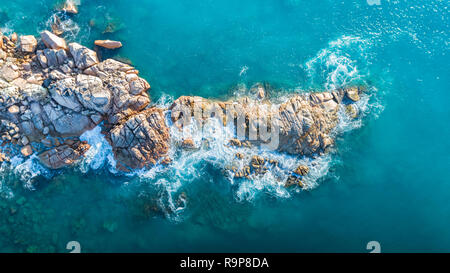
(235, 142)
(142, 140)
(108, 44)
(293, 180)
(61, 56)
(70, 7)
(305, 126)
(257, 162)
(304, 122)
(352, 93)
(3, 54)
(8, 72)
(64, 92)
(138, 86)
(14, 37)
(261, 93)
(28, 43)
(61, 91)
(50, 55)
(52, 41)
(13, 109)
(41, 58)
(351, 110)
(92, 94)
(301, 170)
(63, 155)
(83, 56)
(26, 150)
(68, 124)
(4, 157)
(24, 140)
(188, 144)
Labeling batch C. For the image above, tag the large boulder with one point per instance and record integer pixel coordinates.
(83, 56)
(352, 93)
(142, 140)
(108, 44)
(67, 123)
(50, 55)
(305, 123)
(127, 93)
(28, 43)
(64, 93)
(52, 41)
(92, 94)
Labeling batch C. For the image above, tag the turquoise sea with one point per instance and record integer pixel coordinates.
(387, 180)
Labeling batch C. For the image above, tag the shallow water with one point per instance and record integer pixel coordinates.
(387, 180)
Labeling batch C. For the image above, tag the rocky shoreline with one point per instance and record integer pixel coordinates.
(52, 91)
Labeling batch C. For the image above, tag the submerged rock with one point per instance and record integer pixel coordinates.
(188, 144)
(70, 7)
(352, 93)
(351, 110)
(301, 170)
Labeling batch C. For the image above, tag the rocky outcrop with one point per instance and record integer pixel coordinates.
(57, 93)
(50, 96)
(303, 123)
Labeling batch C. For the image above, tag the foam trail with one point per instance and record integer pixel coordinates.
(339, 62)
(69, 28)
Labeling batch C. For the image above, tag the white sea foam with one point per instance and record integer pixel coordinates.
(70, 28)
(99, 154)
(337, 65)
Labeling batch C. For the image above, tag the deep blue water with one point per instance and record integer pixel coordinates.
(387, 180)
